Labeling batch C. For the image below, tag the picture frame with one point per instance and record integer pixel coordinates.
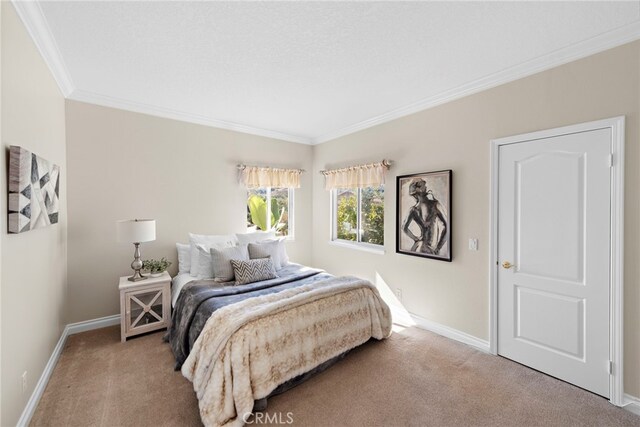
(34, 191)
(423, 215)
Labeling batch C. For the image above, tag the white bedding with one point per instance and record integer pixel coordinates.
(177, 283)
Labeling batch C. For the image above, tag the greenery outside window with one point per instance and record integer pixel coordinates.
(358, 215)
(279, 215)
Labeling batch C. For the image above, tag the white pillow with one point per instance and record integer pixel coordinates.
(284, 257)
(224, 240)
(258, 236)
(184, 257)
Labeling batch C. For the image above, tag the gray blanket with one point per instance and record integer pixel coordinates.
(200, 298)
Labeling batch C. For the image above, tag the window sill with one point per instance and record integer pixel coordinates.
(365, 247)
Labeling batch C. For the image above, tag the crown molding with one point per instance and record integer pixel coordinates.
(168, 113)
(608, 40)
(33, 18)
(36, 25)
(34, 21)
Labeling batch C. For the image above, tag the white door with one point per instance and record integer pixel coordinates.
(554, 229)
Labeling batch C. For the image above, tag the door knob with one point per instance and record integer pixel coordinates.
(507, 265)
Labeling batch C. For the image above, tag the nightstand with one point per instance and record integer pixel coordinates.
(145, 306)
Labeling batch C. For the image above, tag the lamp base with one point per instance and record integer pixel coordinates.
(137, 277)
(136, 265)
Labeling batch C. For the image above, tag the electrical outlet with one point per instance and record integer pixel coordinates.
(473, 244)
(24, 382)
(399, 294)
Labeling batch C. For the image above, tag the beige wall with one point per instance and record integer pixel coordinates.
(2, 203)
(456, 136)
(127, 165)
(34, 264)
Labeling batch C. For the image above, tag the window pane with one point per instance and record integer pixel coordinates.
(347, 214)
(280, 211)
(256, 209)
(372, 215)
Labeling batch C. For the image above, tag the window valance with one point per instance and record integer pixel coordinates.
(262, 177)
(369, 175)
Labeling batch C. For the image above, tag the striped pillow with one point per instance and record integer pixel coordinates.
(253, 270)
(221, 261)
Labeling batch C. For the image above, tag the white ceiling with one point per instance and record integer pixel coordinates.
(309, 71)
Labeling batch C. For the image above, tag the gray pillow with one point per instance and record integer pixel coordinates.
(273, 248)
(253, 270)
(221, 261)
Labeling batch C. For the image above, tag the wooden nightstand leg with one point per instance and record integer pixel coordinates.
(123, 313)
(166, 304)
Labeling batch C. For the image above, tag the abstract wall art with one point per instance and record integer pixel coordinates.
(34, 191)
(423, 225)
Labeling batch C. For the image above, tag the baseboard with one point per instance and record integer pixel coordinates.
(404, 317)
(88, 325)
(70, 329)
(28, 411)
(631, 404)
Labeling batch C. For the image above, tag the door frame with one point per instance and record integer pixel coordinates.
(616, 251)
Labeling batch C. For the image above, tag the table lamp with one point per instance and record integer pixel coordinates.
(136, 231)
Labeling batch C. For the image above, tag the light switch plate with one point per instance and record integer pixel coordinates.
(473, 244)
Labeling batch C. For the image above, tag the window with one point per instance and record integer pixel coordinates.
(358, 215)
(278, 217)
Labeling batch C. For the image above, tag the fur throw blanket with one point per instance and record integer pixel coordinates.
(249, 348)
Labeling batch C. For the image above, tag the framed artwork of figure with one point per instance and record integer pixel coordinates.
(423, 220)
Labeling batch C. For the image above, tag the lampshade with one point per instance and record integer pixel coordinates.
(136, 230)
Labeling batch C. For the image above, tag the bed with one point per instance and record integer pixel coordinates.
(242, 344)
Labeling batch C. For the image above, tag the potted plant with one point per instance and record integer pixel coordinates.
(156, 267)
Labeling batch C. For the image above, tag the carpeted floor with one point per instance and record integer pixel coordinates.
(414, 378)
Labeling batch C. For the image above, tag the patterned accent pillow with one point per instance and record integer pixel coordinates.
(253, 270)
(221, 261)
(273, 248)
